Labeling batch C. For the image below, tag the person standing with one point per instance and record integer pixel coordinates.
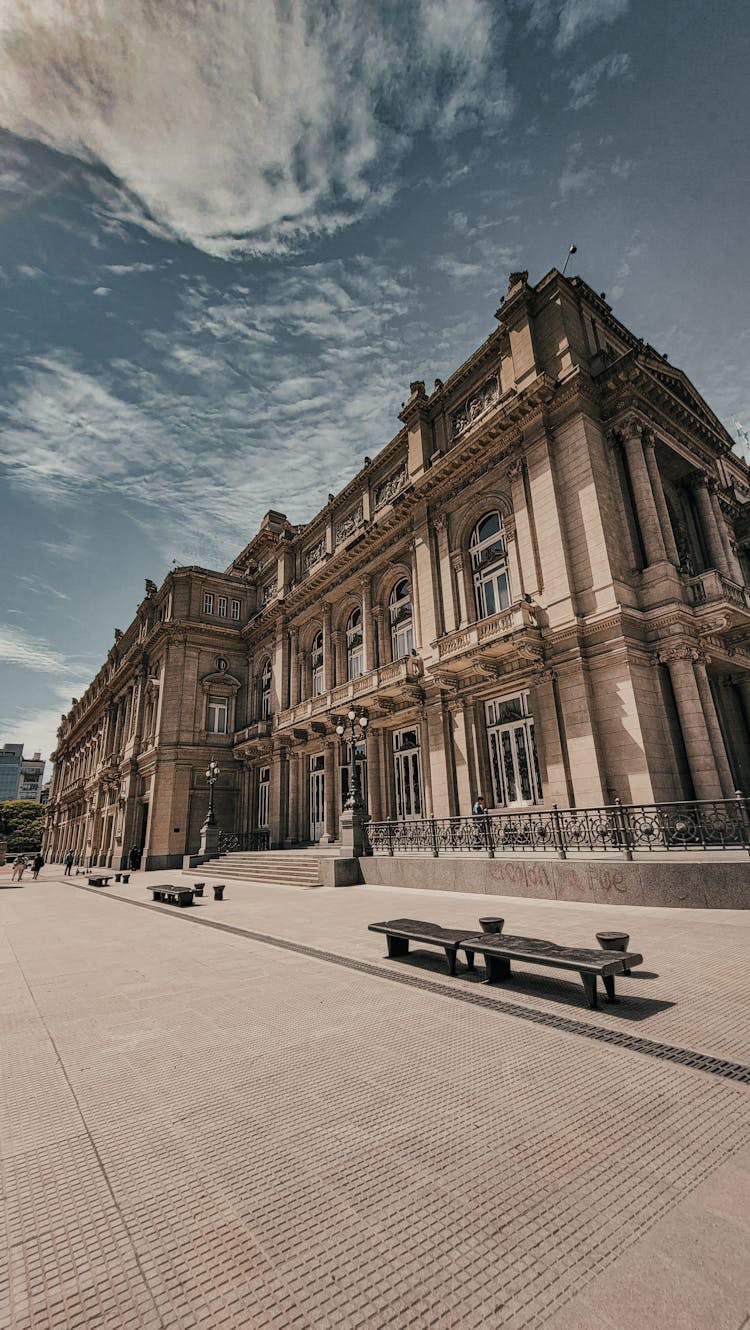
(479, 813)
(68, 863)
(134, 859)
(36, 865)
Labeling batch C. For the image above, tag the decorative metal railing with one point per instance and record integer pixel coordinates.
(243, 841)
(707, 824)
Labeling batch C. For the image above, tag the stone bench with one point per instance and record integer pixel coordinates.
(99, 879)
(499, 949)
(171, 895)
(122, 877)
(400, 932)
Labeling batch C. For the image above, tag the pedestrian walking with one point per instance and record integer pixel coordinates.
(68, 863)
(134, 859)
(19, 868)
(37, 864)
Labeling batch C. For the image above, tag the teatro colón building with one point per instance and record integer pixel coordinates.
(536, 592)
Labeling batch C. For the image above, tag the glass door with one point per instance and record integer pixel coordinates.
(514, 765)
(407, 770)
(317, 797)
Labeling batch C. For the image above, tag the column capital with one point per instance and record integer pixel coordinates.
(680, 651)
(440, 522)
(515, 470)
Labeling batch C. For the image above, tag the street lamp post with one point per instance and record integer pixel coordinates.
(354, 812)
(209, 831)
(212, 775)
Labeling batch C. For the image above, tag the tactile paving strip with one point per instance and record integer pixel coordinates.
(685, 1057)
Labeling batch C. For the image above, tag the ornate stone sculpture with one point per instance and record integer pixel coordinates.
(314, 555)
(389, 488)
(475, 406)
(349, 525)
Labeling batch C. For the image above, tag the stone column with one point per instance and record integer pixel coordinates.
(734, 567)
(709, 525)
(464, 740)
(295, 681)
(416, 598)
(700, 662)
(368, 646)
(373, 748)
(279, 796)
(527, 552)
(458, 561)
(514, 563)
(328, 673)
(424, 745)
(449, 617)
(700, 755)
(338, 665)
(665, 521)
(643, 494)
(384, 652)
(331, 793)
(292, 830)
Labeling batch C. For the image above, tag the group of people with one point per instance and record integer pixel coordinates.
(22, 862)
(134, 860)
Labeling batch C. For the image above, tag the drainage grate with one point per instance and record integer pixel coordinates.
(685, 1057)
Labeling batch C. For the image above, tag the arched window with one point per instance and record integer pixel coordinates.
(354, 660)
(316, 665)
(265, 692)
(489, 561)
(402, 622)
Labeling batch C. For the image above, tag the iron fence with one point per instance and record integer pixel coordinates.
(231, 843)
(706, 824)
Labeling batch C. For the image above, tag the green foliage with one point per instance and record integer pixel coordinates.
(21, 824)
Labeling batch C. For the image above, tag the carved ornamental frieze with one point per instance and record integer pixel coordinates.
(475, 406)
(351, 523)
(269, 591)
(314, 555)
(388, 489)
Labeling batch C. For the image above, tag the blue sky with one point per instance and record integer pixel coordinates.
(233, 232)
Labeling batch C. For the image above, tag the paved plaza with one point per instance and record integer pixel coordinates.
(242, 1115)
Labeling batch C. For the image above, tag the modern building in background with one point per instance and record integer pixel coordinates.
(20, 777)
(537, 591)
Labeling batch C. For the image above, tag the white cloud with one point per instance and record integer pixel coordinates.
(238, 124)
(102, 291)
(17, 647)
(572, 19)
(584, 86)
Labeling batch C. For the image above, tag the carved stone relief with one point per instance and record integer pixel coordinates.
(475, 406)
(388, 489)
(314, 555)
(350, 524)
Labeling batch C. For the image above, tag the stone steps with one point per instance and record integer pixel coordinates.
(268, 866)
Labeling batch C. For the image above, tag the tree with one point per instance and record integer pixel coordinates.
(22, 824)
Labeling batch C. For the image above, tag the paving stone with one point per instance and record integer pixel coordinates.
(200, 1129)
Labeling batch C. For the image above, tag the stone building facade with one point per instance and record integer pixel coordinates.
(537, 591)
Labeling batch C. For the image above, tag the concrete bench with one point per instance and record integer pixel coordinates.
(171, 895)
(99, 879)
(122, 877)
(198, 888)
(500, 949)
(400, 932)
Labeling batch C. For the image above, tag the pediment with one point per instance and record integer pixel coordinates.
(678, 384)
(223, 678)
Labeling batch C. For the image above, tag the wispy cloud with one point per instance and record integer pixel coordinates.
(17, 647)
(244, 125)
(571, 19)
(584, 86)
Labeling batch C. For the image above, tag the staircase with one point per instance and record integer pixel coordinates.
(279, 867)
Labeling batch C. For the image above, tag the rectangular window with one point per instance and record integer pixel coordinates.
(216, 715)
(208, 602)
(235, 610)
(221, 607)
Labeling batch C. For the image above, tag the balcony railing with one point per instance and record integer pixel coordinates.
(386, 677)
(260, 729)
(712, 586)
(243, 841)
(708, 824)
(487, 631)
